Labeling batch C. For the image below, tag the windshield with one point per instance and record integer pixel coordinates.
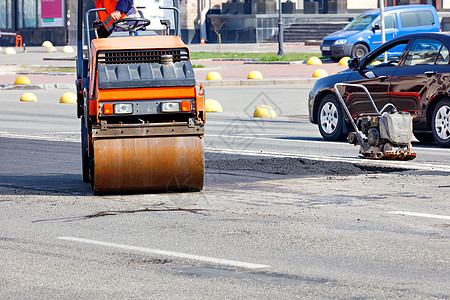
(359, 23)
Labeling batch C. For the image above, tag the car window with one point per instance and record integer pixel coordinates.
(393, 55)
(359, 23)
(389, 22)
(426, 52)
(443, 57)
(417, 18)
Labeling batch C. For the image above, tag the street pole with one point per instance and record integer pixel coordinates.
(280, 30)
(383, 37)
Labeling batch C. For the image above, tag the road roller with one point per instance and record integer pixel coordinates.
(142, 116)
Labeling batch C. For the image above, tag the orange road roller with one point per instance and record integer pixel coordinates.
(142, 116)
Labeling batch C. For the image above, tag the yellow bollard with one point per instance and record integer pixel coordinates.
(265, 111)
(68, 98)
(344, 61)
(47, 44)
(313, 60)
(213, 76)
(255, 75)
(22, 80)
(212, 105)
(320, 73)
(68, 49)
(10, 51)
(51, 49)
(28, 97)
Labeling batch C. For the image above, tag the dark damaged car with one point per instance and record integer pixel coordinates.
(411, 72)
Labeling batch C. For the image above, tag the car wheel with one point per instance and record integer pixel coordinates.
(424, 137)
(440, 123)
(359, 51)
(330, 119)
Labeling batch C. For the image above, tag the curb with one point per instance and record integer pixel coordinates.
(43, 86)
(281, 62)
(60, 58)
(46, 73)
(255, 82)
(235, 59)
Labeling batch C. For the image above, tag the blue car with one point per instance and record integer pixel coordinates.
(363, 34)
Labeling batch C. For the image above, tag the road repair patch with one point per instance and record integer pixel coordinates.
(297, 166)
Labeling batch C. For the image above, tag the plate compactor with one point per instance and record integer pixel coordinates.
(142, 118)
(385, 134)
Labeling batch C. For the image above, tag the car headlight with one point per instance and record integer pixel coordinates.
(340, 42)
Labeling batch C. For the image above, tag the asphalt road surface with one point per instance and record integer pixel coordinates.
(270, 223)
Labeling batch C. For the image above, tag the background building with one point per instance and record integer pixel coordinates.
(35, 20)
(243, 20)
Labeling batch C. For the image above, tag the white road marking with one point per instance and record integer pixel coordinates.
(414, 214)
(65, 132)
(388, 163)
(207, 259)
(283, 139)
(37, 137)
(254, 137)
(263, 134)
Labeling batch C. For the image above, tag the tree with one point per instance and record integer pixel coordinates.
(217, 24)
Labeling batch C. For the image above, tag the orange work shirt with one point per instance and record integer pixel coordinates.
(110, 6)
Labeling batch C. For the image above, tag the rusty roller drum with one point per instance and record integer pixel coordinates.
(148, 164)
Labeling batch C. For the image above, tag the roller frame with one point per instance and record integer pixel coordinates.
(140, 157)
(156, 129)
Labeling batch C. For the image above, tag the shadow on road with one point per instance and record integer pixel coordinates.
(70, 184)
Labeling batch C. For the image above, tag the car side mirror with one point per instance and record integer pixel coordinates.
(353, 63)
(376, 27)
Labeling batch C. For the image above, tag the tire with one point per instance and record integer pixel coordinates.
(440, 123)
(359, 51)
(330, 119)
(424, 137)
(92, 167)
(335, 59)
(84, 152)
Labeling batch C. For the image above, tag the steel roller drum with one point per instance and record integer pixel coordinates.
(146, 164)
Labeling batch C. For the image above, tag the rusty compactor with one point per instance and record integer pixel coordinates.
(142, 118)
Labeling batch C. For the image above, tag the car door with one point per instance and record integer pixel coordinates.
(419, 77)
(375, 74)
(390, 30)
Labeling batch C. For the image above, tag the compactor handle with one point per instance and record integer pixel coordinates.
(349, 115)
(358, 86)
